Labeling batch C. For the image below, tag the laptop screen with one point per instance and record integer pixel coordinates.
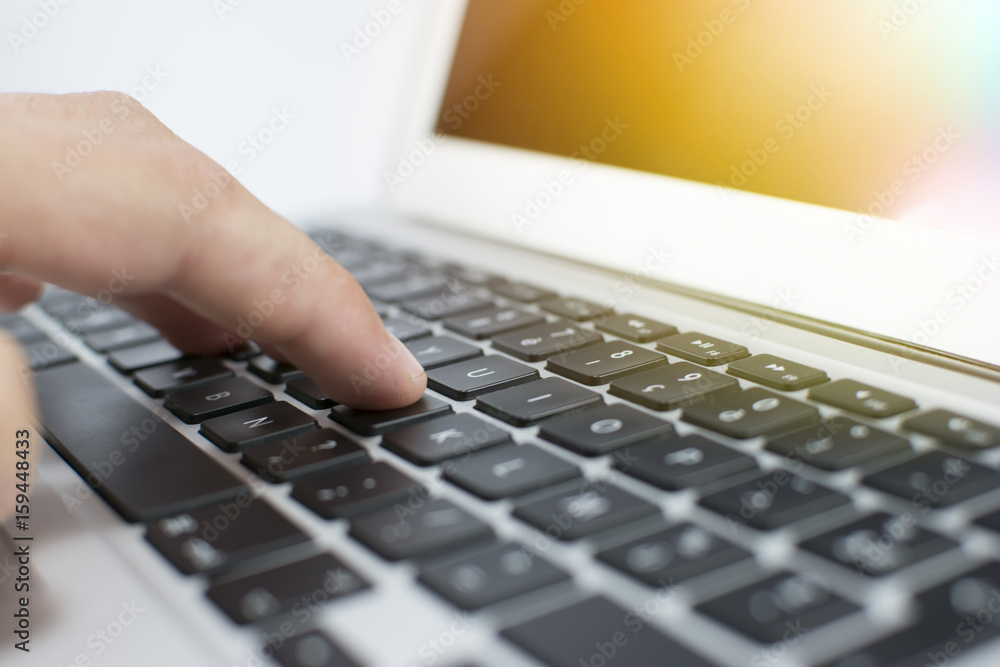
(887, 109)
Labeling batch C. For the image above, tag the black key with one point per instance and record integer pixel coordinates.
(879, 544)
(749, 413)
(635, 328)
(590, 509)
(935, 479)
(468, 275)
(307, 453)
(773, 501)
(246, 428)
(215, 538)
(509, 470)
(64, 305)
(441, 350)
(487, 577)
(244, 351)
(262, 595)
(467, 379)
(779, 606)
(490, 322)
(679, 463)
(597, 632)
(777, 373)
(356, 490)
(135, 358)
(672, 386)
(575, 309)
(435, 526)
(528, 403)
(215, 398)
(410, 288)
(273, 371)
(444, 438)
(137, 462)
(160, 380)
(602, 429)
(953, 617)
(701, 349)
(307, 392)
(955, 430)
(446, 305)
(117, 339)
(604, 362)
(379, 273)
(45, 353)
(100, 320)
(540, 342)
(377, 422)
(673, 555)
(520, 291)
(20, 328)
(838, 443)
(861, 398)
(406, 328)
(311, 649)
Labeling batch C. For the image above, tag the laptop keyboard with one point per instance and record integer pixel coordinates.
(580, 423)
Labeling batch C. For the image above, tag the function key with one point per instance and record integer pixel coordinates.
(444, 438)
(520, 291)
(243, 429)
(303, 454)
(672, 386)
(377, 422)
(441, 350)
(671, 556)
(779, 607)
(262, 595)
(528, 403)
(575, 309)
(838, 443)
(955, 430)
(935, 479)
(356, 490)
(777, 373)
(160, 380)
(487, 577)
(749, 413)
(509, 470)
(701, 349)
(490, 322)
(604, 362)
(773, 501)
(602, 429)
(541, 342)
(216, 398)
(444, 305)
(570, 515)
(138, 357)
(434, 527)
(211, 539)
(272, 370)
(679, 463)
(306, 391)
(861, 399)
(879, 544)
(467, 275)
(635, 328)
(594, 628)
(468, 379)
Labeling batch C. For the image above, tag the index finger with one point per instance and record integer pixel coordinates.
(148, 214)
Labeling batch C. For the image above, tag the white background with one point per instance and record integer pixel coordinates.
(226, 71)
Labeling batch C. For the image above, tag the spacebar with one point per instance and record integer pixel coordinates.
(142, 466)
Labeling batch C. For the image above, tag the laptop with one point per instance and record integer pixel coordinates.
(707, 298)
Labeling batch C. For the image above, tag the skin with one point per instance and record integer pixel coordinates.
(120, 208)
